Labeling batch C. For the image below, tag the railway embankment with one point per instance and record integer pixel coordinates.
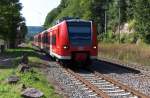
(131, 54)
(34, 78)
(127, 63)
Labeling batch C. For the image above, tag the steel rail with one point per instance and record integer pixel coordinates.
(122, 86)
(89, 85)
(100, 92)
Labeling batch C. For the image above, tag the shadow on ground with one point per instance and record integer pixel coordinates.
(18, 52)
(8, 57)
(11, 57)
(99, 66)
(108, 68)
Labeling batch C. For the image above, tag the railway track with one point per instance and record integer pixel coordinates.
(92, 84)
(101, 86)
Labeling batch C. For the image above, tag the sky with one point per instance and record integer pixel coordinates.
(35, 11)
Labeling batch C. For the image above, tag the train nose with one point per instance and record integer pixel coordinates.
(80, 56)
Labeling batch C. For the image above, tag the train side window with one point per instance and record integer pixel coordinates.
(36, 40)
(39, 39)
(54, 40)
(46, 38)
(43, 39)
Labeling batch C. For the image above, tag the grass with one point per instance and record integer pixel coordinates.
(132, 53)
(18, 52)
(6, 90)
(35, 78)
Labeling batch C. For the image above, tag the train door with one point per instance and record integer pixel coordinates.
(42, 37)
(39, 41)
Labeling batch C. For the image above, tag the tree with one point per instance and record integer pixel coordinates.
(104, 12)
(142, 17)
(21, 32)
(130, 9)
(98, 9)
(10, 19)
(51, 16)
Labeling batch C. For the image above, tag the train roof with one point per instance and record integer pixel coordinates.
(64, 19)
(77, 20)
(70, 19)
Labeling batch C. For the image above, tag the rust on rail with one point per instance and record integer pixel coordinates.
(125, 87)
(89, 85)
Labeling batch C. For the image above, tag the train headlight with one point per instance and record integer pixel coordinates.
(65, 47)
(94, 47)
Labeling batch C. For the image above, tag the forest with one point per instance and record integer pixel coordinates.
(125, 21)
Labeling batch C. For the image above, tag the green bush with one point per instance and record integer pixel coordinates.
(129, 38)
(110, 37)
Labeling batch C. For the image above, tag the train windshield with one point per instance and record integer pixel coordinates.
(79, 33)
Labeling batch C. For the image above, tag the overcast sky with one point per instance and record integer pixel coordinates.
(35, 11)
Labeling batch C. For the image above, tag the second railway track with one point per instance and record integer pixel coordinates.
(101, 86)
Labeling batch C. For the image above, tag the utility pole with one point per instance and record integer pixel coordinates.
(105, 12)
(119, 20)
(105, 21)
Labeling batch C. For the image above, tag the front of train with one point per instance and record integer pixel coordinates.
(82, 40)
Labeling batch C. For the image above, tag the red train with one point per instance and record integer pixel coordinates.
(73, 40)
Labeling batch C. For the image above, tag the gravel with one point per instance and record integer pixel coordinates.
(70, 86)
(138, 81)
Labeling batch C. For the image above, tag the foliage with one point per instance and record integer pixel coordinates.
(129, 38)
(11, 20)
(50, 17)
(142, 13)
(74, 8)
(35, 79)
(136, 12)
(108, 37)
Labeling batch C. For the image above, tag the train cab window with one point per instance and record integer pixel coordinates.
(54, 40)
(80, 33)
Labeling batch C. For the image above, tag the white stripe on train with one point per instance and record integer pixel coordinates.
(67, 57)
